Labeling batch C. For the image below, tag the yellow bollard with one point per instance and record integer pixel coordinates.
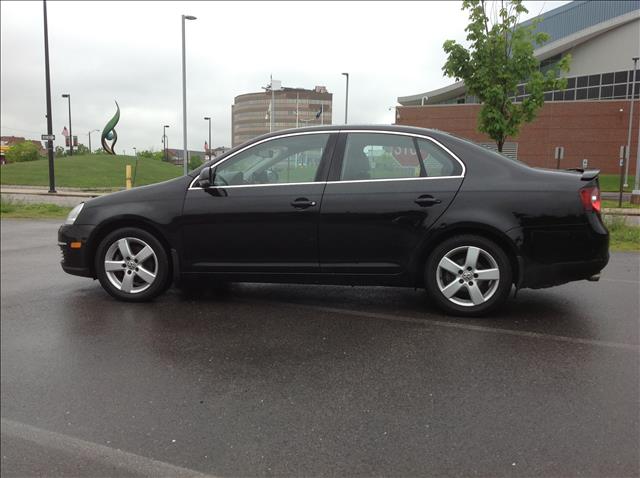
(127, 176)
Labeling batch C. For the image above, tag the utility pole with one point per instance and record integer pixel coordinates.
(185, 159)
(346, 100)
(68, 97)
(208, 118)
(164, 141)
(52, 178)
(89, 133)
(626, 159)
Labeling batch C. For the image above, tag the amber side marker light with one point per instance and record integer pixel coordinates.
(75, 245)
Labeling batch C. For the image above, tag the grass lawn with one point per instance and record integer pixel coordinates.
(611, 182)
(88, 171)
(15, 209)
(608, 203)
(622, 236)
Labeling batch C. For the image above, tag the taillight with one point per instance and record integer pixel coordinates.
(590, 198)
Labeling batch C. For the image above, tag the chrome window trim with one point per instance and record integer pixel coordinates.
(400, 133)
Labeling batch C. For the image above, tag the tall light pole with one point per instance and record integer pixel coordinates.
(185, 160)
(346, 100)
(635, 193)
(626, 159)
(52, 178)
(89, 133)
(208, 118)
(164, 141)
(68, 97)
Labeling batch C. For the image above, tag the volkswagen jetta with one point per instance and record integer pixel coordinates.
(359, 205)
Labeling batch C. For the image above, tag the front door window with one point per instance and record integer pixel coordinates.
(292, 159)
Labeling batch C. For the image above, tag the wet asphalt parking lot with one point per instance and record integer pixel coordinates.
(288, 380)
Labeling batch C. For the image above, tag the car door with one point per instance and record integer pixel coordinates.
(384, 192)
(261, 213)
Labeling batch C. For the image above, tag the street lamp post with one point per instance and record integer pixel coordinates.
(164, 141)
(635, 193)
(89, 133)
(52, 179)
(185, 160)
(346, 100)
(627, 155)
(208, 118)
(68, 97)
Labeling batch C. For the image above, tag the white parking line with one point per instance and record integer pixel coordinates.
(118, 459)
(459, 325)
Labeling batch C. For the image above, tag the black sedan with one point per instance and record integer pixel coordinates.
(354, 205)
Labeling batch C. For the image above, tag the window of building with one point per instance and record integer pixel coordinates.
(607, 79)
(594, 80)
(582, 81)
(621, 77)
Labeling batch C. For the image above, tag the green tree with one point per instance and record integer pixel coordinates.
(194, 162)
(98, 151)
(20, 152)
(80, 149)
(499, 58)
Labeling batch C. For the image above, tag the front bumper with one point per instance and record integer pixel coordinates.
(76, 261)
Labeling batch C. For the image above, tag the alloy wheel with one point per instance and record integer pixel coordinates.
(468, 276)
(131, 265)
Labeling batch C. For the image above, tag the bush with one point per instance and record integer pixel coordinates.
(194, 162)
(21, 152)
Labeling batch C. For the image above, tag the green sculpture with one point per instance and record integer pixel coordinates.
(109, 132)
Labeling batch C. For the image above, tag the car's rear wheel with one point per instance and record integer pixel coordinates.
(468, 276)
(132, 265)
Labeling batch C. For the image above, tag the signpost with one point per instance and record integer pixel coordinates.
(623, 155)
(559, 154)
(48, 137)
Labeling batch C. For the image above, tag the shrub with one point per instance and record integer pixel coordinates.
(21, 152)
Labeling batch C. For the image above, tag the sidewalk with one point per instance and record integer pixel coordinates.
(64, 197)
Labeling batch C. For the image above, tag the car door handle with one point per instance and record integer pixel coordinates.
(303, 203)
(426, 201)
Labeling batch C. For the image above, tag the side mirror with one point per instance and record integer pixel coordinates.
(205, 180)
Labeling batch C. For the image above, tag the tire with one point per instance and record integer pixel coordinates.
(140, 278)
(464, 292)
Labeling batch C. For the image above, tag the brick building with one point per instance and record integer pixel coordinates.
(590, 118)
(294, 107)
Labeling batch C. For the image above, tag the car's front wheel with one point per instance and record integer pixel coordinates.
(468, 276)
(132, 265)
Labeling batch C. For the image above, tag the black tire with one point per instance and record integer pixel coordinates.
(462, 303)
(157, 264)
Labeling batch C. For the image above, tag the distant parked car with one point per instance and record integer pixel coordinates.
(365, 205)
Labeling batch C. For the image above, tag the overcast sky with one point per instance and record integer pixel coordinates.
(131, 52)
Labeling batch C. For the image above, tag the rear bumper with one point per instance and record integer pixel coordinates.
(75, 261)
(538, 276)
(554, 256)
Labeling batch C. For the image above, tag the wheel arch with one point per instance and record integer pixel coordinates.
(478, 229)
(107, 227)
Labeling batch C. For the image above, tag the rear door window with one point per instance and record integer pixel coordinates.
(380, 156)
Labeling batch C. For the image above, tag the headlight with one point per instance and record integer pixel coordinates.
(73, 215)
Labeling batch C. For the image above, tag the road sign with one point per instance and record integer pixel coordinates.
(48, 137)
(559, 152)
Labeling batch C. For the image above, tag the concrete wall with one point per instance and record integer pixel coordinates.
(594, 130)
